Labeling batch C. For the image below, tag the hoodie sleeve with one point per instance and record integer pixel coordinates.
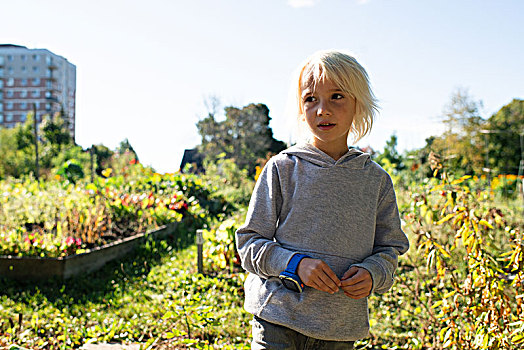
(390, 242)
(259, 252)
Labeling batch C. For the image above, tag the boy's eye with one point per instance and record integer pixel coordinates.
(337, 96)
(309, 99)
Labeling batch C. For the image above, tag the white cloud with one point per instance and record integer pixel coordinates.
(302, 3)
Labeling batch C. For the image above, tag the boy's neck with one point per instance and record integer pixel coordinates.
(334, 151)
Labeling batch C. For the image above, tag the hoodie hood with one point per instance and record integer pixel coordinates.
(353, 159)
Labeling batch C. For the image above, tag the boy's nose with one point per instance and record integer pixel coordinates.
(323, 110)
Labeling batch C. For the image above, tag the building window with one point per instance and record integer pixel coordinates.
(47, 106)
(10, 93)
(36, 81)
(23, 105)
(10, 81)
(9, 105)
(48, 94)
(1, 107)
(35, 69)
(35, 93)
(1, 118)
(23, 57)
(22, 117)
(9, 117)
(10, 58)
(1, 72)
(36, 57)
(37, 105)
(1, 95)
(10, 70)
(23, 82)
(49, 84)
(1, 83)
(23, 93)
(23, 69)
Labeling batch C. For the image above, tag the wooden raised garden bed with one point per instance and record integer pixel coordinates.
(35, 268)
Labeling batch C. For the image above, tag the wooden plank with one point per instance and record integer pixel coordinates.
(35, 268)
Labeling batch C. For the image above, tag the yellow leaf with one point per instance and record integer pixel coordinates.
(475, 226)
(465, 235)
(447, 295)
(485, 223)
(446, 218)
(462, 179)
(436, 188)
(442, 250)
(447, 339)
(423, 210)
(429, 217)
(518, 338)
(437, 304)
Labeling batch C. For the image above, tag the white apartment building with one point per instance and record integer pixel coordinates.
(35, 77)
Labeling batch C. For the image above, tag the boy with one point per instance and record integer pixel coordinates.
(323, 229)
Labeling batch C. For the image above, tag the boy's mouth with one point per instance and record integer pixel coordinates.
(325, 126)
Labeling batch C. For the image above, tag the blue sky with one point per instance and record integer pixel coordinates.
(145, 67)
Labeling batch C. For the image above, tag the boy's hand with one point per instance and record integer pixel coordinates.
(356, 283)
(317, 274)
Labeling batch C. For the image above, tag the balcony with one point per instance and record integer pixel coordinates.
(51, 63)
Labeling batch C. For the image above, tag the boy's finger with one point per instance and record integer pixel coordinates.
(329, 283)
(349, 273)
(327, 270)
(321, 287)
(352, 284)
(357, 287)
(356, 296)
(359, 276)
(315, 285)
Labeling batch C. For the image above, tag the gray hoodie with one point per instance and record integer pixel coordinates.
(343, 212)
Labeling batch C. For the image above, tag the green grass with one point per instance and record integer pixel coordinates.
(154, 295)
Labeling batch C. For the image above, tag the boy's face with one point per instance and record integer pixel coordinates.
(329, 113)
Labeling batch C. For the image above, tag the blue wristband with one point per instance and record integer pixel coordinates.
(289, 276)
(293, 263)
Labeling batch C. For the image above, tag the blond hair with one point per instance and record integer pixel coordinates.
(347, 74)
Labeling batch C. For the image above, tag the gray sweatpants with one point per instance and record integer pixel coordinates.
(267, 335)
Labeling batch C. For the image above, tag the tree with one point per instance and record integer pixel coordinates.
(55, 137)
(244, 136)
(102, 155)
(391, 155)
(504, 131)
(125, 146)
(54, 130)
(14, 161)
(461, 145)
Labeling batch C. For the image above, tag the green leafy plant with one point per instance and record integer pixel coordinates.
(112, 207)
